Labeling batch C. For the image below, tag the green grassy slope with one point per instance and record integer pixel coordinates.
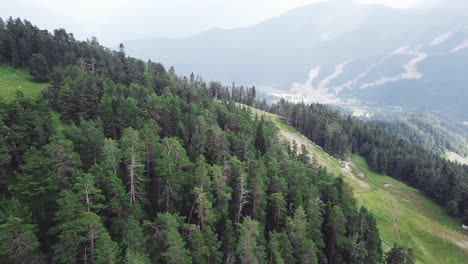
(456, 157)
(403, 214)
(406, 216)
(12, 80)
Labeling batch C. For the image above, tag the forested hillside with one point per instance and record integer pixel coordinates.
(443, 181)
(429, 131)
(145, 166)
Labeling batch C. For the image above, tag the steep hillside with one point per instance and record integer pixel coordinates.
(152, 167)
(430, 131)
(403, 214)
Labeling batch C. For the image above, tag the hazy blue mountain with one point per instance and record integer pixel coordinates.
(335, 51)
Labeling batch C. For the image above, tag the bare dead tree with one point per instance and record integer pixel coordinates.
(242, 198)
(357, 241)
(135, 181)
(87, 190)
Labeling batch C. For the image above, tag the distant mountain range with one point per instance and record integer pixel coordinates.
(336, 52)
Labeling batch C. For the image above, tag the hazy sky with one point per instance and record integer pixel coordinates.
(113, 21)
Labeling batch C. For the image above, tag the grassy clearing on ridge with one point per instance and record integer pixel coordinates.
(12, 80)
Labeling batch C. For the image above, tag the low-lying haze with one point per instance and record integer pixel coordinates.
(114, 21)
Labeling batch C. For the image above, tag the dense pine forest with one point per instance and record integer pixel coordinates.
(144, 166)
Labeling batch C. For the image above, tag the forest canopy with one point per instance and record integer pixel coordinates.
(144, 166)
